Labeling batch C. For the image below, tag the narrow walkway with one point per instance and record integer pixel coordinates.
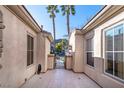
(60, 78)
(59, 64)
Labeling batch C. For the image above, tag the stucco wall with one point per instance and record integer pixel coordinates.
(72, 41)
(47, 51)
(78, 63)
(76, 41)
(51, 61)
(14, 57)
(41, 51)
(68, 62)
(100, 77)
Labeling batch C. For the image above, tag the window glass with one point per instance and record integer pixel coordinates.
(89, 44)
(109, 63)
(118, 38)
(31, 57)
(30, 44)
(109, 40)
(119, 64)
(28, 58)
(90, 57)
(114, 51)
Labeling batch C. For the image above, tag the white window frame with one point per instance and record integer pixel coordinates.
(104, 30)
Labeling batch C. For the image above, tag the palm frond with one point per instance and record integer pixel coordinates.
(72, 9)
(63, 13)
(57, 10)
(52, 9)
(62, 8)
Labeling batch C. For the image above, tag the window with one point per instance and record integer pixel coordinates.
(1, 32)
(90, 52)
(114, 51)
(30, 43)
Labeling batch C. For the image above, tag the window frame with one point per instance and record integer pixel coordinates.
(2, 26)
(31, 62)
(90, 51)
(113, 51)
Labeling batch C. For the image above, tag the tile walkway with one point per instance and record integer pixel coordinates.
(60, 78)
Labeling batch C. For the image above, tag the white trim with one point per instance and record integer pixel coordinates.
(123, 48)
(113, 51)
(96, 17)
(114, 77)
(114, 25)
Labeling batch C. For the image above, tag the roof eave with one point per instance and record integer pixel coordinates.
(107, 13)
(21, 12)
(48, 35)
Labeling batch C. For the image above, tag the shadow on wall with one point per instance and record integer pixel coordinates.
(97, 74)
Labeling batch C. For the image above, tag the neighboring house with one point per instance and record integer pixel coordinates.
(99, 47)
(23, 45)
(44, 49)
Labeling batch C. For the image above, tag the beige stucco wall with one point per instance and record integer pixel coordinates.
(68, 62)
(47, 51)
(51, 61)
(72, 41)
(78, 65)
(76, 41)
(94, 72)
(41, 51)
(14, 57)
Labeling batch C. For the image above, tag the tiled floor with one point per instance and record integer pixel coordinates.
(60, 78)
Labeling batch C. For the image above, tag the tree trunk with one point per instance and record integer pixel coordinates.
(54, 32)
(68, 28)
(68, 25)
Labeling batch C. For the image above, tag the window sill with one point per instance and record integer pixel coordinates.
(90, 66)
(113, 77)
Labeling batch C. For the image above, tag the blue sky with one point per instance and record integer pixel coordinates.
(83, 14)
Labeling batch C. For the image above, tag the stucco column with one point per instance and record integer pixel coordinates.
(41, 51)
(78, 65)
(68, 61)
(51, 61)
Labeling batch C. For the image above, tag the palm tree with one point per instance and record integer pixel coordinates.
(52, 10)
(67, 10)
